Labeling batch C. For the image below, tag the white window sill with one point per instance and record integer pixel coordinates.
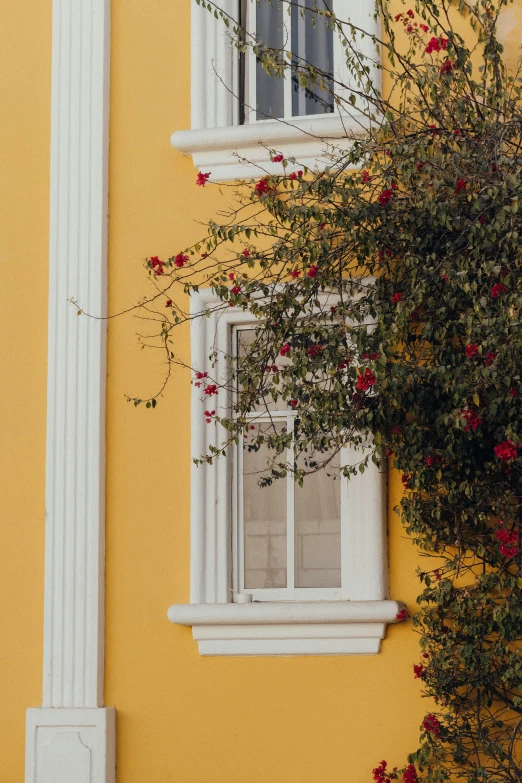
(292, 628)
(240, 152)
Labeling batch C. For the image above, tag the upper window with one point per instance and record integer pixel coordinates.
(239, 110)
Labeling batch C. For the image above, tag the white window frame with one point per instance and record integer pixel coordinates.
(228, 624)
(230, 151)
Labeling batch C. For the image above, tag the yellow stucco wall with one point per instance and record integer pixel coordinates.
(25, 80)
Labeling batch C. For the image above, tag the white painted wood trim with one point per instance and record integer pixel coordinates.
(72, 736)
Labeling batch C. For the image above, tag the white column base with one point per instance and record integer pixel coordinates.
(74, 745)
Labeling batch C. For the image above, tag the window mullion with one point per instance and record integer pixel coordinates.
(287, 100)
(290, 516)
(251, 71)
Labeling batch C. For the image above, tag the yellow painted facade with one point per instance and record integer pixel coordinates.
(180, 717)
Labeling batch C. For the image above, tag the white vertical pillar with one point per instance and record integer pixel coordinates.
(72, 736)
(214, 66)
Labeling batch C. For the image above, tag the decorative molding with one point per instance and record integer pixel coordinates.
(70, 746)
(291, 628)
(242, 151)
(57, 738)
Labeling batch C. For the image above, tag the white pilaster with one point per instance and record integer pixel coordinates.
(73, 732)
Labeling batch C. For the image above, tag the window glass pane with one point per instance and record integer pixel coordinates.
(312, 41)
(318, 528)
(269, 89)
(245, 339)
(264, 518)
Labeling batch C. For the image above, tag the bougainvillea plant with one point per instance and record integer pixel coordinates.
(388, 292)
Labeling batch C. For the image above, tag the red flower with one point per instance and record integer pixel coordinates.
(410, 13)
(202, 178)
(263, 186)
(446, 67)
(445, 277)
(513, 392)
(211, 389)
(231, 275)
(286, 348)
(472, 420)
(365, 178)
(507, 541)
(200, 375)
(168, 303)
(460, 185)
(236, 289)
(437, 574)
(420, 166)
(405, 480)
(398, 17)
(209, 415)
(457, 132)
(497, 290)
(482, 219)
(157, 265)
(312, 272)
(385, 197)
(293, 403)
(295, 273)
(365, 381)
(424, 28)
(410, 774)
(431, 725)
(314, 350)
(397, 297)
(489, 358)
(278, 158)
(246, 252)
(296, 174)
(418, 670)
(401, 615)
(471, 350)
(373, 356)
(181, 260)
(432, 46)
(506, 451)
(381, 776)
(436, 44)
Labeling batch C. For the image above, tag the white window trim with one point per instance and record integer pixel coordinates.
(230, 151)
(355, 624)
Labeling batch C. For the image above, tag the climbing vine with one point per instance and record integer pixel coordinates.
(388, 293)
